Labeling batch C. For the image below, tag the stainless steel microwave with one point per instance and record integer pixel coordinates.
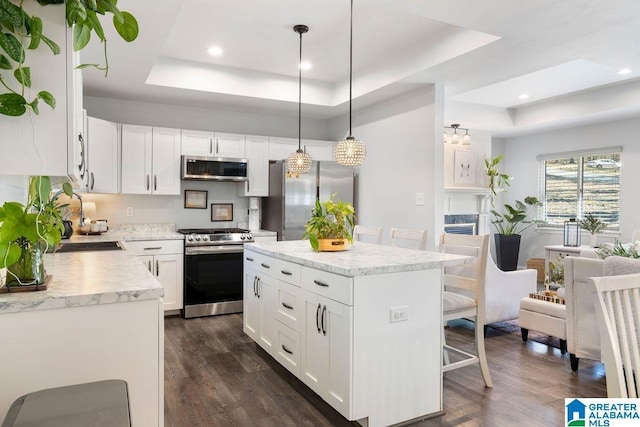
(214, 168)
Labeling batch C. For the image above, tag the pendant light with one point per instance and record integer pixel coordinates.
(299, 161)
(350, 151)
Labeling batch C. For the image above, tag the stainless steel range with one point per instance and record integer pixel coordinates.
(213, 271)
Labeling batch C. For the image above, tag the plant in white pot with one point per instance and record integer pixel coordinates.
(330, 227)
(594, 226)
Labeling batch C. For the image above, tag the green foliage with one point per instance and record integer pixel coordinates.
(592, 224)
(497, 180)
(39, 220)
(330, 220)
(21, 31)
(618, 250)
(514, 220)
(556, 272)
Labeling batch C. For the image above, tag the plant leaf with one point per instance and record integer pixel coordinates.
(47, 98)
(75, 11)
(12, 104)
(128, 29)
(23, 76)
(52, 45)
(9, 254)
(81, 36)
(12, 13)
(94, 23)
(34, 106)
(4, 63)
(10, 44)
(36, 32)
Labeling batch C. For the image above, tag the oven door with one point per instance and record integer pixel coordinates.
(212, 280)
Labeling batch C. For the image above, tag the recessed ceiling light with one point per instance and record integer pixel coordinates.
(624, 71)
(523, 96)
(305, 65)
(215, 51)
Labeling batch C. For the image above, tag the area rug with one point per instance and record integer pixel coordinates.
(512, 327)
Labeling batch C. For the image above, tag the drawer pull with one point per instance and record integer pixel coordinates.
(265, 265)
(249, 259)
(286, 273)
(285, 305)
(319, 283)
(156, 248)
(286, 349)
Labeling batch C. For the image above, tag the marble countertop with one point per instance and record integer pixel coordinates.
(362, 259)
(87, 278)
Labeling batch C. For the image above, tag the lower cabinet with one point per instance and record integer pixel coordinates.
(165, 260)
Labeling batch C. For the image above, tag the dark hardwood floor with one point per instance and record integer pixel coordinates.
(216, 376)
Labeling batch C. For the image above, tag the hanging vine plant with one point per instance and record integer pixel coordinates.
(20, 31)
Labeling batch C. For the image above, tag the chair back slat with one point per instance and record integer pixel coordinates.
(412, 239)
(374, 232)
(473, 272)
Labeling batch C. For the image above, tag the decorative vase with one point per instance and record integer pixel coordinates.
(29, 269)
(333, 245)
(507, 251)
(594, 240)
(560, 292)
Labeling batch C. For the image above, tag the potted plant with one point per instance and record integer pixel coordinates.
(330, 227)
(594, 226)
(509, 225)
(496, 179)
(26, 231)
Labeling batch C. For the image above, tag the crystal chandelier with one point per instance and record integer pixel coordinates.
(299, 161)
(350, 151)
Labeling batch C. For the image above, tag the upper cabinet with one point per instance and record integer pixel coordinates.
(202, 143)
(48, 143)
(257, 154)
(280, 148)
(102, 161)
(150, 160)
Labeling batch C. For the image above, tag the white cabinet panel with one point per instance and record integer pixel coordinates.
(257, 153)
(197, 142)
(102, 160)
(319, 150)
(166, 161)
(280, 148)
(229, 145)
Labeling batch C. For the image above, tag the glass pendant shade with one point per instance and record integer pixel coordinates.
(455, 138)
(466, 139)
(299, 162)
(350, 152)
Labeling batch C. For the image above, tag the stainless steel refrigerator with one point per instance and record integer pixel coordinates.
(288, 207)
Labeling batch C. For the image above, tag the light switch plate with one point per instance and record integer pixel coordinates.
(419, 199)
(129, 211)
(399, 314)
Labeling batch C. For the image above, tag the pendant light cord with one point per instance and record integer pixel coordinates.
(350, 67)
(300, 95)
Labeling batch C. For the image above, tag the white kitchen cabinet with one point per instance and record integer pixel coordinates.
(257, 154)
(47, 144)
(319, 150)
(150, 160)
(165, 260)
(103, 164)
(258, 305)
(229, 145)
(326, 349)
(197, 143)
(280, 148)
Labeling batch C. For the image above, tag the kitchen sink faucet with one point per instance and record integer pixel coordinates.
(81, 212)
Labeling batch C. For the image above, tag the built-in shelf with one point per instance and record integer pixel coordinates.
(482, 191)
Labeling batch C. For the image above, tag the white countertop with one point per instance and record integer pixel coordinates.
(87, 278)
(362, 259)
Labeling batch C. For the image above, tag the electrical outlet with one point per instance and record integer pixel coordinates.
(419, 199)
(399, 314)
(129, 211)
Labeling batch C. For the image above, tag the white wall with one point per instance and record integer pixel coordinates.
(13, 188)
(520, 161)
(402, 160)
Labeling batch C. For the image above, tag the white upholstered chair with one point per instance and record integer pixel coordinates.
(374, 234)
(618, 310)
(406, 238)
(463, 296)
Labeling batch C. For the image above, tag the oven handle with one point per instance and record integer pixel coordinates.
(200, 250)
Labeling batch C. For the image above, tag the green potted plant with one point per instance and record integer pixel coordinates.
(594, 226)
(509, 225)
(330, 227)
(26, 231)
(496, 179)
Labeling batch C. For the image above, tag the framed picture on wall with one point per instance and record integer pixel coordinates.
(221, 212)
(464, 167)
(195, 199)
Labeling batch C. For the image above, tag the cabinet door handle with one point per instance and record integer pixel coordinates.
(149, 266)
(265, 265)
(154, 248)
(157, 268)
(258, 288)
(210, 145)
(319, 283)
(286, 349)
(155, 182)
(217, 146)
(317, 319)
(82, 160)
(255, 286)
(93, 181)
(285, 305)
(147, 182)
(249, 259)
(286, 273)
(324, 320)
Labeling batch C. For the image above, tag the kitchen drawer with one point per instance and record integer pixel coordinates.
(287, 351)
(334, 286)
(288, 305)
(281, 270)
(155, 247)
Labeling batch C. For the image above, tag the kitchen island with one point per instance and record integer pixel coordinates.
(100, 318)
(362, 328)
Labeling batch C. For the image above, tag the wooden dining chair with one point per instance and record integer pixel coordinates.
(463, 297)
(618, 310)
(407, 238)
(373, 233)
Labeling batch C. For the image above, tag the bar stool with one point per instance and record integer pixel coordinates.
(406, 238)
(362, 230)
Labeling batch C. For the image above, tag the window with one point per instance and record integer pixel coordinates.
(579, 183)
